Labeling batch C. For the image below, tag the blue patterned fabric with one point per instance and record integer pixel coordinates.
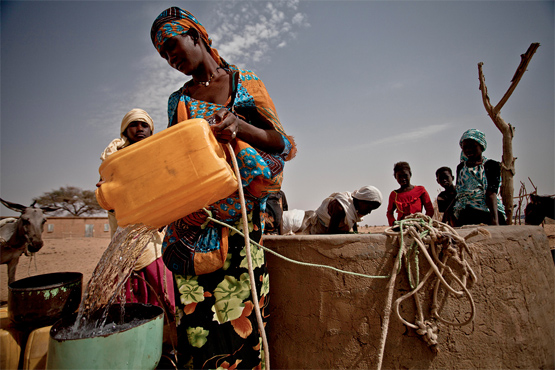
(253, 165)
(476, 135)
(471, 190)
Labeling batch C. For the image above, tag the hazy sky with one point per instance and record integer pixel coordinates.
(359, 84)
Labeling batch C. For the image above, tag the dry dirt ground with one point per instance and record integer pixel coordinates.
(82, 255)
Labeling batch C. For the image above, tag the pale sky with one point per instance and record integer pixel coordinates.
(359, 84)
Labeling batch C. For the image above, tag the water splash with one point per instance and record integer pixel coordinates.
(108, 279)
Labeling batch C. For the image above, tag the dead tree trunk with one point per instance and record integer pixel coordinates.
(507, 130)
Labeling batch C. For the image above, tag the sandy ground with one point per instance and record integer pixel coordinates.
(82, 255)
(57, 255)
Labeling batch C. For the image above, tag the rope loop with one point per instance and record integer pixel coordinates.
(444, 250)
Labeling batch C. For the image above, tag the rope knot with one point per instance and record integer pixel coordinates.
(428, 330)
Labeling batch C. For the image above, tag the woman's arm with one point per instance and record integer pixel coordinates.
(493, 175)
(427, 202)
(458, 170)
(491, 202)
(337, 214)
(390, 209)
(228, 126)
(441, 202)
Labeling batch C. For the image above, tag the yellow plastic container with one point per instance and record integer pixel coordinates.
(167, 176)
(10, 342)
(36, 349)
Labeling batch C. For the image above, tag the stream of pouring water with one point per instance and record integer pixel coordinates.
(109, 277)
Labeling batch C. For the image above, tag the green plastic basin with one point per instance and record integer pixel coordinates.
(135, 343)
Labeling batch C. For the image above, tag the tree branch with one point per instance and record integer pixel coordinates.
(508, 161)
(524, 61)
(483, 87)
(484, 90)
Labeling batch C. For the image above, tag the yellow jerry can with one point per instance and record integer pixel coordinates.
(10, 342)
(36, 349)
(167, 176)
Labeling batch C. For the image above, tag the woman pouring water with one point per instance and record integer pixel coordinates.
(216, 321)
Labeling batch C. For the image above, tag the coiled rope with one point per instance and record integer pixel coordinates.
(414, 234)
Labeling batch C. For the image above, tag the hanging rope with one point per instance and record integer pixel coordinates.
(300, 263)
(249, 260)
(420, 233)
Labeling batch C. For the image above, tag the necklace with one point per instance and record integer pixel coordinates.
(206, 83)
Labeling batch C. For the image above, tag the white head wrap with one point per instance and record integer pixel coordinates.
(135, 115)
(369, 193)
(131, 116)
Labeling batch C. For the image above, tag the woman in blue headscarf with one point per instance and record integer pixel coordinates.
(478, 180)
(216, 322)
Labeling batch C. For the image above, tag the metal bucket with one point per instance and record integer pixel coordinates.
(136, 345)
(41, 300)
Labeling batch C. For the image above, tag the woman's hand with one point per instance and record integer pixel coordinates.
(225, 125)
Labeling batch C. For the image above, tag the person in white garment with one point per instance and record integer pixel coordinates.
(340, 212)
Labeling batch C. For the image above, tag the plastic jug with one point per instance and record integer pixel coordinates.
(167, 176)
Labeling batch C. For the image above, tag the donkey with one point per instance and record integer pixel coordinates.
(21, 235)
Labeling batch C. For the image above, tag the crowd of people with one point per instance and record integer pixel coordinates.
(213, 307)
(472, 199)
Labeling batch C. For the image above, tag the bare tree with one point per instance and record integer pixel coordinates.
(507, 130)
(72, 200)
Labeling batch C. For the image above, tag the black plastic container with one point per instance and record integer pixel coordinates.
(41, 300)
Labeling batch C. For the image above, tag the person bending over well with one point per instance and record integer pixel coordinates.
(340, 212)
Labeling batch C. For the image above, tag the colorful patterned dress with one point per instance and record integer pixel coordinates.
(217, 326)
(472, 184)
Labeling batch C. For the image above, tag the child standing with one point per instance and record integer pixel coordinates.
(446, 199)
(408, 199)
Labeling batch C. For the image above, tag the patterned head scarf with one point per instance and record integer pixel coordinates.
(369, 193)
(476, 135)
(175, 21)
